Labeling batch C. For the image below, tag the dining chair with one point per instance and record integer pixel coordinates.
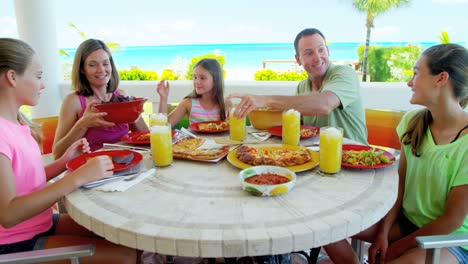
(73, 253)
(433, 244)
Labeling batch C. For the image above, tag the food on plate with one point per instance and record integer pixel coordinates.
(307, 132)
(201, 153)
(283, 157)
(267, 178)
(125, 160)
(187, 143)
(144, 137)
(188, 148)
(365, 157)
(214, 126)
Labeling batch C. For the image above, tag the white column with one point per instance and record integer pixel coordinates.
(36, 25)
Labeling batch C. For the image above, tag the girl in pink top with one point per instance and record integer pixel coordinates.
(206, 102)
(26, 220)
(94, 79)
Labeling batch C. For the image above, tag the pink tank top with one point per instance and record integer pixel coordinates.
(97, 136)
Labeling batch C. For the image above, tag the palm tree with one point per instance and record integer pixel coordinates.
(373, 8)
(114, 47)
(444, 37)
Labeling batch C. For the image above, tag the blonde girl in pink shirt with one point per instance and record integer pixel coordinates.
(26, 218)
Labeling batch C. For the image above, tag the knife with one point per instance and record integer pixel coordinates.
(235, 142)
(185, 131)
(117, 146)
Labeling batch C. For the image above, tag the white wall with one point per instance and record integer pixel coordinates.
(376, 95)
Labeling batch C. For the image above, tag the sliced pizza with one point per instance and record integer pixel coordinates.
(202, 153)
(189, 148)
(187, 143)
(273, 156)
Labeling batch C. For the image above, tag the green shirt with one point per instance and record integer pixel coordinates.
(343, 82)
(430, 177)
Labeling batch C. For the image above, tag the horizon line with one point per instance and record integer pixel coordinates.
(288, 43)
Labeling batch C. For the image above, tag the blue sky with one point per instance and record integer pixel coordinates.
(244, 21)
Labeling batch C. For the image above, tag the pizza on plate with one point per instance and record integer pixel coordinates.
(187, 143)
(307, 132)
(143, 137)
(189, 148)
(214, 126)
(273, 156)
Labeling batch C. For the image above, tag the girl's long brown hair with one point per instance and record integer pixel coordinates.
(450, 58)
(214, 68)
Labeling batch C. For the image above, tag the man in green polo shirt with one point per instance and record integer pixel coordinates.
(330, 96)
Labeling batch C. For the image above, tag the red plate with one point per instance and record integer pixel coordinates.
(278, 131)
(77, 162)
(362, 147)
(132, 138)
(194, 127)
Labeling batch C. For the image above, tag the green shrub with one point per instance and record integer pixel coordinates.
(266, 75)
(292, 76)
(220, 58)
(168, 74)
(390, 64)
(137, 75)
(271, 75)
(402, 61)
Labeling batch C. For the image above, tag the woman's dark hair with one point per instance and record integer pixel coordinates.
(79, 81)
(214, 68)
(450, 58)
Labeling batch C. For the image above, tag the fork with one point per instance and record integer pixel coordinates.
(132, 177)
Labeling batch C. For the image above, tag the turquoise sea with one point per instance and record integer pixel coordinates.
(246, 56)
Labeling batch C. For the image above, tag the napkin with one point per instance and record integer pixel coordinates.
(122, 185)
(117, 176)
(260, 135)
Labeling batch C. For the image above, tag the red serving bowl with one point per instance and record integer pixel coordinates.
(122, 112)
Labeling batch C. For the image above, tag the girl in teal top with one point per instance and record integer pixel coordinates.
(433, 169)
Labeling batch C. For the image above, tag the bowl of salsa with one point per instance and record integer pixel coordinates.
(267, 180)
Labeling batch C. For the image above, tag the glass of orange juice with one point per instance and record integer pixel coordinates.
(156, 119)
(291, 130)
(237, 126)
(161, 145)
(331, 143)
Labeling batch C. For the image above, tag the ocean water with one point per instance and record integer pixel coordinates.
(240, 58)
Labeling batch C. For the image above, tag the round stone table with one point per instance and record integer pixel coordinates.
(198, 209)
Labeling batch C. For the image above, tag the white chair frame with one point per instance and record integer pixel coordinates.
(73, 253)
(433, 244)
